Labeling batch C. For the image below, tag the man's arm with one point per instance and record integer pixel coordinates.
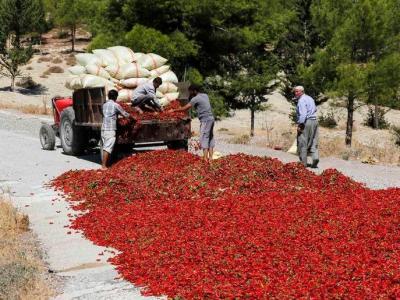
(122, 111)
(182, 108)
(302, 112)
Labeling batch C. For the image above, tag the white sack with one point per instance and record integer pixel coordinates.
(159, 71)
(106, 57)
(151, 61)
(77, 70)
(125, 95)
(167, 87)
(163, 102)
(137, 56)
(85, 59)
(91, 81)
(133, 70)
(133, 82)
(97, 71)
(159, 94)
(171, 96)
(74, 83)
(124, 54)
(115, 71)
(169, 77)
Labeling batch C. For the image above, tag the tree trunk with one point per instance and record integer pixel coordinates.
(350, 113)
(376, 117)
(12, 83)
(73, 35)
(252, 122)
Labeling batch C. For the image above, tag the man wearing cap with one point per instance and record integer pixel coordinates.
(307, 127)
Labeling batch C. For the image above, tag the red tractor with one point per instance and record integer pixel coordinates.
(78, 120)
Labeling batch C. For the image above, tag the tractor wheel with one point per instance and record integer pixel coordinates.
(73, 138)
(47, 137)
(178, 145)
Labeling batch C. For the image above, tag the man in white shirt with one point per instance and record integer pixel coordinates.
(144, 96)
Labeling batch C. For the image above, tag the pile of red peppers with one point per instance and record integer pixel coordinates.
(241, 227)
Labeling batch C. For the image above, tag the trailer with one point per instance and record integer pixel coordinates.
(78, 120)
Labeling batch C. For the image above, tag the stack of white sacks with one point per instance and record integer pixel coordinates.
(121, 66)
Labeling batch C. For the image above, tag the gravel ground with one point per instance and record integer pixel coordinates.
(25, 168)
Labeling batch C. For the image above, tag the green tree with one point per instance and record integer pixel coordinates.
(11, 60)
(71, 14)
(18, 18)
(357, 37)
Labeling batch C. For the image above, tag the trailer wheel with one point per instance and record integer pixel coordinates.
(178, 145)
(47, 137)
(73, 138)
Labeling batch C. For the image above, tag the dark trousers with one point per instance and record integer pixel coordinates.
(146, 100)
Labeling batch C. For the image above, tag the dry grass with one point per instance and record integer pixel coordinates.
(70, 60)
(44, 59)
(387, 153)
(29, 109)
(54, 69)
(57, 60)
(21, 266)
(243, 139)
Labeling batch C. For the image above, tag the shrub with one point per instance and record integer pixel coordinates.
(44, 59)
(395, 130)
(70, 60)
(327, 121)
(105, 40)
(55, 69)
(370, 120)
(27, 83)
(62, 34)
(57, 60)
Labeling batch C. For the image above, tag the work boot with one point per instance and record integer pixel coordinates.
(314, 164)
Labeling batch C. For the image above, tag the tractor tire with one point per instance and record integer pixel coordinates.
(178, 145)
(74, 139)
(47, 137)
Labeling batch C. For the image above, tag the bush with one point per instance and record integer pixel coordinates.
(62, 34)
(27, 83)
(44, 59)
(57, 60)
(327, 121)
(194, 76)
(70, 60)
(105, 40)
(395, 130)
(382, 123)
(54, 69)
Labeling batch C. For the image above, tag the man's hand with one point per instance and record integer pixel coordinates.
(119, 87)
(170, 111)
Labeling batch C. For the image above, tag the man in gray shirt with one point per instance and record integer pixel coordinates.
(307, 127)
(144, 96)
(201, 103)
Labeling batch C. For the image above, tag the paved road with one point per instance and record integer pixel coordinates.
(25, 168)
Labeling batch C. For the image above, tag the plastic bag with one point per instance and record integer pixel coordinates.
(151, 61)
